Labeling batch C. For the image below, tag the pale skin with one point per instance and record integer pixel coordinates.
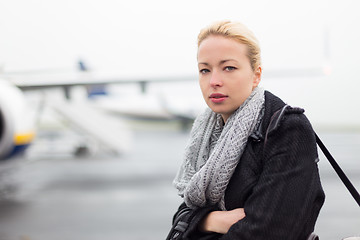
(221, 221)
(226, 79)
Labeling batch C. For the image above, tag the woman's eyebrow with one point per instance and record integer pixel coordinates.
(220, 63)
(227, 60)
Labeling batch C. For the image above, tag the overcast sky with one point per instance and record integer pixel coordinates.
(158, 37)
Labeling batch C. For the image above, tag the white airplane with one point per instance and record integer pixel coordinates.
(18, 119)
(17, 123)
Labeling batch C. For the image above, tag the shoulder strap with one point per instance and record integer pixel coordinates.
(274, 123)
(339, 171)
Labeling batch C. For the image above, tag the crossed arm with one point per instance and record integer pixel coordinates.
(221, 221)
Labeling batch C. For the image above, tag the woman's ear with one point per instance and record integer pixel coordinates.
(257, 76)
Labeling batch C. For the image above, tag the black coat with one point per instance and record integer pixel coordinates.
(276, 181)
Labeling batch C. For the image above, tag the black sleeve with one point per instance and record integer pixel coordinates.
(286, 200)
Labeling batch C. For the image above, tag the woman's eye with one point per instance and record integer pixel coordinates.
(203, 71)
(229, 68)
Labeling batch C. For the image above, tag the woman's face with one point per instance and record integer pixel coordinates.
(225, 74)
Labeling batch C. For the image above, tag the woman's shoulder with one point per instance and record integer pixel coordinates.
(277, 112)
(288, 115)
(290, 128)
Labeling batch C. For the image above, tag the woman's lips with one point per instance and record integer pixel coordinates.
(217, 97)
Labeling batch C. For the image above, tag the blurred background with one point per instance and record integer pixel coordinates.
(101, 95)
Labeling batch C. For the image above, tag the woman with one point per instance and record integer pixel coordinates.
(250, 169)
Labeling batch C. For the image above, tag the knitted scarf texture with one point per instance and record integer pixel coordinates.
(214, 150)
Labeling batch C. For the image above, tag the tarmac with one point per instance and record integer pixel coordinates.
(51, 195)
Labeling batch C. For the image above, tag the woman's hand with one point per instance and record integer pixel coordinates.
(221, 221)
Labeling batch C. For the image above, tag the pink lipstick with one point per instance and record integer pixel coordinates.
(217, 97)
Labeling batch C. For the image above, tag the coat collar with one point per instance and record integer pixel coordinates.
(272, 104)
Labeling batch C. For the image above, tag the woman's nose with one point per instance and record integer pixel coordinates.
(215, 80)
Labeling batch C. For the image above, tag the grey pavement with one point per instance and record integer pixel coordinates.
(131, 197)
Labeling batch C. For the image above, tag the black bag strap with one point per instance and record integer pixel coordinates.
(274, 123)
(339, 171)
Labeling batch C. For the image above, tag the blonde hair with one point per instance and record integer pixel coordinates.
(238, 32)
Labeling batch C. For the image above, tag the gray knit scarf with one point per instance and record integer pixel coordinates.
(214, 150)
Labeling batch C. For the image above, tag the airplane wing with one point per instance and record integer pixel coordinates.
(296, 72)
(41, 81)
(26, 81)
